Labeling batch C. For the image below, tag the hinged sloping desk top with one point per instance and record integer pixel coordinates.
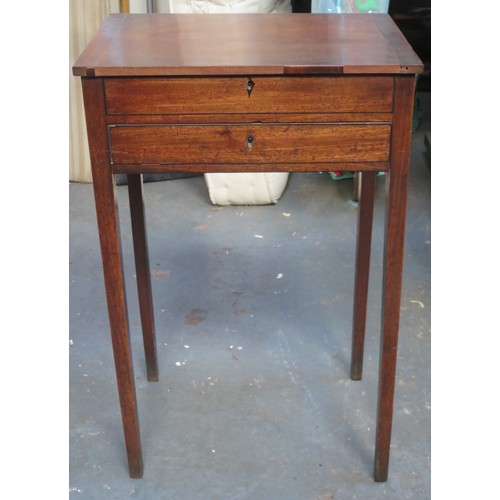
(162, 45)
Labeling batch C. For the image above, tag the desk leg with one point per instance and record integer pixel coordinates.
(397, 188)
(363, 252)
(109, 236)
(143, 274)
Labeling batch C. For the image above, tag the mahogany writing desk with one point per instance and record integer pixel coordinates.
(253, 93)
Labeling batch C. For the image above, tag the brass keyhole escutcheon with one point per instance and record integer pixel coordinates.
(249, 85)
(250, 141)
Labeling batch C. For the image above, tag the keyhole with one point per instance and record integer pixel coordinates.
(250, 141)
(250, 84)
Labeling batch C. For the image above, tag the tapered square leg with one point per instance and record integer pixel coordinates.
(143, 273)
(363, 253)
(109, 236)
(397, 189)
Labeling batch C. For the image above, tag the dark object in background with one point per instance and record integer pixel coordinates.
(301, 6)
(121, 179)
(413, 18)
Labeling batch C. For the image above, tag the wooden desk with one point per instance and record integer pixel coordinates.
(253, 93)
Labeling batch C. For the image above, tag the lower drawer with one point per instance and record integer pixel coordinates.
(249, 143)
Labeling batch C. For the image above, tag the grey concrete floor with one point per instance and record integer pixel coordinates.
(254, 335)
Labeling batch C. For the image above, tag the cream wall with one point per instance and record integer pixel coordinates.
(85, 17)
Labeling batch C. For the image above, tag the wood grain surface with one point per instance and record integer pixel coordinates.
(247, 143)
(279, 94)
(221, 44)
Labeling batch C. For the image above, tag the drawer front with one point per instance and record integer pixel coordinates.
(334, 94)
(249, 143)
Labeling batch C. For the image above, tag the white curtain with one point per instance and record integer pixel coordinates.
(85, 18)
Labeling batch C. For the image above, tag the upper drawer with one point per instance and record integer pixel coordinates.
(214, 95)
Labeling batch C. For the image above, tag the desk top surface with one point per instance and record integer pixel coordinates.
(236, 44)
